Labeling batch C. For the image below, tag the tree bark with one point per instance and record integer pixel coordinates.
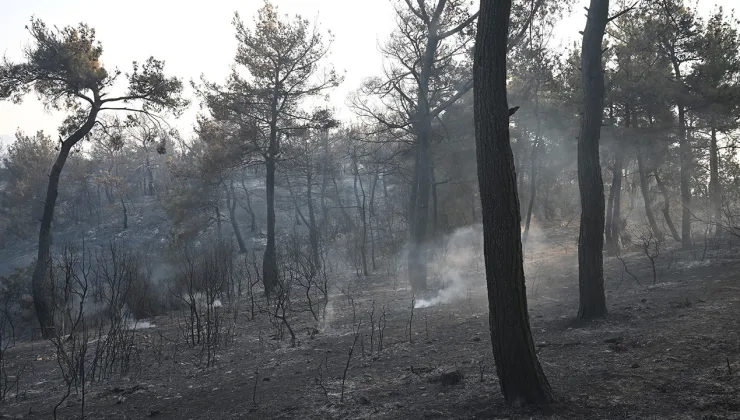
(715, 188)
(417, 263)
(685, 161)
(616, 218)
(41, 299)
(231, 205)
(666, 207)
(360, 202)
(533, 173)
(609, 212)
(269, 259)
(591, 238)
(645, 189)
(248, 207)
(520, 374)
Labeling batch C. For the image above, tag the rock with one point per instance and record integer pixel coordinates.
(635, 365)
(363, 400)
(451, 377)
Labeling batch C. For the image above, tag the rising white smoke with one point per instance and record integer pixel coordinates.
(455, 264)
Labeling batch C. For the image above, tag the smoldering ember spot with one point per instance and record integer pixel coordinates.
(386, 209)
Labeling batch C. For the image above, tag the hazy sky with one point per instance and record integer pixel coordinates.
(197, 38)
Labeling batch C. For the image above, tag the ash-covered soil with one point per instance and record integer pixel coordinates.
(669, 350)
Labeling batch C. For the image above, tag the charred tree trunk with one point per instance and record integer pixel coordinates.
(645, 189)
(313, 228)
(615, 218)
(218, 220)
(609, 213)
(435, 204)
(520, 374)
(361, 201)
(269, 259)
(324, 182)
(533, 173)
(373, 188)
(715, 189)
(231, 205)
(248, 207)
(149, 175)
(417, 264)
(666, 207)
(125, 211)
(685, 160)
(591, 238)
(41, 300)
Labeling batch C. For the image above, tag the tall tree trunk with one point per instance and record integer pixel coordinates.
(520, 374)
(645, 189)
(666, 207)
(324, 182)
(533, 173)
(417, 263)
(373, 188)
(715, 188)
(248, 207)
(218, 220)
(231, 205)
(435, 204)
(125, 211)
(591, 238)
(149, 175)
(685, 160)
(349, 224)
(609, 213)
(313, 228)
(361, 201)
(615, 218)
(39, 287)
(269, 259)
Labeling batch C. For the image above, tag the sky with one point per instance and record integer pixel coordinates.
(195, 38)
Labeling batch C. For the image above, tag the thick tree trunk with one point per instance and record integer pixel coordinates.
(39, 287)
(231, 205)
(715, 188)
(520, 374)
(645, 189)
(417, 264)
(666, 207)
(269, 259)
(591, 238)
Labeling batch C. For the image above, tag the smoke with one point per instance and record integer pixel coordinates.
(455, 263)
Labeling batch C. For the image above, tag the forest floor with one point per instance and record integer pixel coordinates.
(669, 350)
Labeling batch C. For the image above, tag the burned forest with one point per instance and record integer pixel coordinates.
(390, 209)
